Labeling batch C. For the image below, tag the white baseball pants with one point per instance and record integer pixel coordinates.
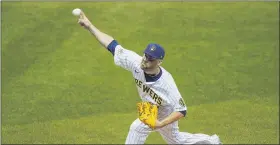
(139, 132)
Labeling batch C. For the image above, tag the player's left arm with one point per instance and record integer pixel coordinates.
(180, 110)
(175, 116)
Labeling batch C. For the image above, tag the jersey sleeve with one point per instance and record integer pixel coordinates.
(126, 59)
(175, 97)
(179, 103)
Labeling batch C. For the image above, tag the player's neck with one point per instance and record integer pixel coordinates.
(153, 72)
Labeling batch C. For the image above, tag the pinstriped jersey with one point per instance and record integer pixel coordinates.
(162, 92)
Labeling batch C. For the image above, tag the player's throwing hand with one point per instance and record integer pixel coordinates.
(83, 21)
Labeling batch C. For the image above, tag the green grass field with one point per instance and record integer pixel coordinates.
(60, 86)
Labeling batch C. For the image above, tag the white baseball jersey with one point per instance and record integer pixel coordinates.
(162, 92)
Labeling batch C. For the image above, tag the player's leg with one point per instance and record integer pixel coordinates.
(172, 135)
(198, 138)
(138, 133)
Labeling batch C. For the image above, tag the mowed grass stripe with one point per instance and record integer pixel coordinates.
(43, 37)
(20, 98)
(19, 19)
(74, 88)
(58, 95)
(236, 121)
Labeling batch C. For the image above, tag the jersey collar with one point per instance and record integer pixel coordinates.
(150, 78)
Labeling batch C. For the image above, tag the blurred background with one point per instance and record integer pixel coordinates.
(59, 86)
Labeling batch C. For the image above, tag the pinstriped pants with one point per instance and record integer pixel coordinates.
(139, 132)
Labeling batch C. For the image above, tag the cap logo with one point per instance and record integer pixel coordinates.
(153, 48)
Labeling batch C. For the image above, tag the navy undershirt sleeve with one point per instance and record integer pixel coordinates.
(111, 47)
(184, 112)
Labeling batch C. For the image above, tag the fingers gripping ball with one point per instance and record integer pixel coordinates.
(147, 113)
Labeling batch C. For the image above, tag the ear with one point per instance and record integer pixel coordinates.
(159, 62)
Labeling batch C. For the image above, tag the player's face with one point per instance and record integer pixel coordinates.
(149, 63)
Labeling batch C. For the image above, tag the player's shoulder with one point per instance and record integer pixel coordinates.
(168, 83)
(120, 50)
(165, 72)
(167, 76)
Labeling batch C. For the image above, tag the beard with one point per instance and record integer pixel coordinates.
(149, 68)
(145, 66)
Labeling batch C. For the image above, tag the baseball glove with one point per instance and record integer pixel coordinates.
(147, 113)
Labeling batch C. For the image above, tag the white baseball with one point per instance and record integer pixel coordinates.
(76, 12)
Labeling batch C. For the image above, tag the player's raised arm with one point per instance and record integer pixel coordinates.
(104, 39)
(125, 58)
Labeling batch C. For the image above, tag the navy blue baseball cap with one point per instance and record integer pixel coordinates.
(154, 51)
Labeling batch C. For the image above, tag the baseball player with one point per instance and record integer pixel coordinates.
(155, 86)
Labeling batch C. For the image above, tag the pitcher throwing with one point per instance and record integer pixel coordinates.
(162, 104)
